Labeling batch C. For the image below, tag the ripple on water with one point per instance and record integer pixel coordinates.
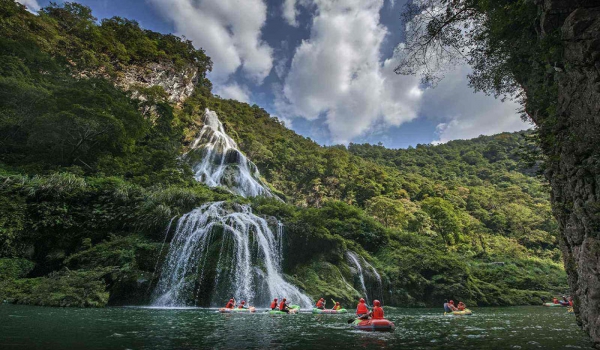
(151, 328)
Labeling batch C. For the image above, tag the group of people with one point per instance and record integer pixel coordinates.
(449, 306)
(321, 305)
(564, 301)
(231, 304)
(282, 306)
(362, 310)
(363, 313)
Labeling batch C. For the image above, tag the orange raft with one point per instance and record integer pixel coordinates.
(382, 325)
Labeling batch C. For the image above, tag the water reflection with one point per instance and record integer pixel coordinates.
(25, 327)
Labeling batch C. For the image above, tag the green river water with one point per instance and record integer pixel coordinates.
(30, 327)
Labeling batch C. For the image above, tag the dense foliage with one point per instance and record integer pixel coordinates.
(88, 184)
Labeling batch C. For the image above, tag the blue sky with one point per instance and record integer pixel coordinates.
(325, 67)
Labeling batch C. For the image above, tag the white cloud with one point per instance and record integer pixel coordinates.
(229, 31)
(290, 11)
(338, 72)
(233, 91)
(463, 114)
(31, 5)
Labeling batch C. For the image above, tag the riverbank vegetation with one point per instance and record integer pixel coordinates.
(89, 184)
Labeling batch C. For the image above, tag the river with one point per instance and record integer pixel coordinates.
(30, 327)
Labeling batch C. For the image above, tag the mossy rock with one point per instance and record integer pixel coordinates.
(323, 279)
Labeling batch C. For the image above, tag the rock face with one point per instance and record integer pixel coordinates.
(178, 83)
(574, 149)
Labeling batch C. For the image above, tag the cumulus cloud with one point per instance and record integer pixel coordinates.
(233, 91)
(229, 31)
(338, 73)
(289, 12)
(31, 5)
(463, 114)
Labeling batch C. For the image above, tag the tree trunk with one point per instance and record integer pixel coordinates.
(571, 141)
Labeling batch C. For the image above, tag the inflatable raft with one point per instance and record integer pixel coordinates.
(236, 310)
(293, 310)
(554, 305)
(381, 325)
(329, 311)
(465, 312)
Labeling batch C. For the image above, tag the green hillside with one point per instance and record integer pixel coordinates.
(89, 182)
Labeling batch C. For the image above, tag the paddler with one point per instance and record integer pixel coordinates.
(230, 304)
(555, 300)
(337, 306)
(362, 311)
(451, 305)
(446, 307)
(284, 307)
(461, 306)
(274, 304)
(377, 312)
(321, 304)
(242, 305)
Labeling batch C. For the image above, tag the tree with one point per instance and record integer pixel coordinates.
(444, 219)
(389, 212)
(543, 52)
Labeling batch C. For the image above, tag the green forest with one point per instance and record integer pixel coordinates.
(89, 182)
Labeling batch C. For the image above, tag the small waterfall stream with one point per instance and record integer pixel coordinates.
(355, 261)
(222, 250)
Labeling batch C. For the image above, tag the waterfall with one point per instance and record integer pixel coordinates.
(222, 250)
(217, 161)
(355, 260)
(248, 265)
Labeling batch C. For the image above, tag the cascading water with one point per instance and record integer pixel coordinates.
(355, 260)
(217, 161)
(223, 250)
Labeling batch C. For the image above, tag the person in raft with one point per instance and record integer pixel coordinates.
(241, 306)
(337, 306)
(555, 300)
(446, 306)
(321, 304)
(284, 307)
(362, 311)
(450, 306)
(274, 304)
(377, 313)
(461, 306)
(230, 304)
(571, 301)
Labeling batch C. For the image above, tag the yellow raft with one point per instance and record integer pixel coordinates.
(465, 312)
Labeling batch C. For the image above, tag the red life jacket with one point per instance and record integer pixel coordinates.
(362, 309)
(377, 312)
(282, 306)
(273, 305)
(319, 303)
(229, 305)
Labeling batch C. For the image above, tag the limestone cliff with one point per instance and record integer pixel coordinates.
(572, 137)
(177, 82)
